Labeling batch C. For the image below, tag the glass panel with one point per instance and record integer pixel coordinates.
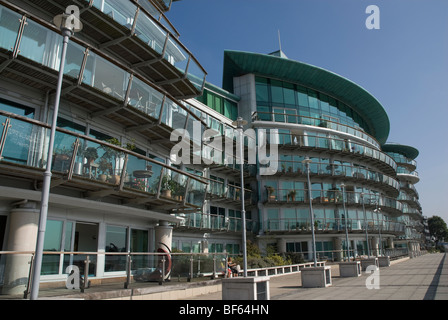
(105, 76)
(41, 45)
(75, 56)
(52, 242)
(20, 143)
(122, 12)
(145, 98)
(115, 242)
(63, 151)
(139, 243)
(177, 55)
(9, 27)
(148, 31)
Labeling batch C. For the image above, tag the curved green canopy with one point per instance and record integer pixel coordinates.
(408, 151)
(237, 63)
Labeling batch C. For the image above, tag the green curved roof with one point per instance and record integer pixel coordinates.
(237, 63)
(407, 151)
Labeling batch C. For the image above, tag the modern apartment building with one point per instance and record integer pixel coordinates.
(129, 83)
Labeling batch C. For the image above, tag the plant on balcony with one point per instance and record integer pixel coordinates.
(283, 167)
(91, 154)
(292, 195)
(271, 195)
(167, 186)
(63, 154)
(105, 168)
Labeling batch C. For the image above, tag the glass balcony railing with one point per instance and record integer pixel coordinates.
(317, 122)
(289, 140)
(151, 31)
(297, 196)
(337, 170)
(334, 225)
(402, 170)
(219, 189)
(24, 142)
(43, 46)
(215, 222)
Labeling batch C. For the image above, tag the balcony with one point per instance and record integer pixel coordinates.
(99, 170)
(328, 145)
(134, 33)
(408, 175)
(93, 82)
(331, 225)
(316, 122)
(219, 191)
(294, 197)
(202, 222)
(341, 171)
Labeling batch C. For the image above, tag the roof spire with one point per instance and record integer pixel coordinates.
(279, 40)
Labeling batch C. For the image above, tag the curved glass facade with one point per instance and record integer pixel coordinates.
(291, 100)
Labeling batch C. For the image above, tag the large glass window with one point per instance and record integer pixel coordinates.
(116, 238)
(306, 102)
(52, 242)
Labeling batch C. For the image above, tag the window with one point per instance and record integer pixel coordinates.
(116, 238)
(52, 242)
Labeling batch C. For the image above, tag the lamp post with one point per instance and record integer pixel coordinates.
(307, 164)
(68, 24)
(365, 224)
(345, 220)
(378, 210)
(240, 123)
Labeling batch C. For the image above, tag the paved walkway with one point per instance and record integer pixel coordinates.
(421, 278)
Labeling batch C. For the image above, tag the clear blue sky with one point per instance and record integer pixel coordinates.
(404, 64)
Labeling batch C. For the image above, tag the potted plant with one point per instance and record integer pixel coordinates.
(292, 195)
(271, 193)
(105, 168)
(167, 186)
(91, 154)
(63, 154)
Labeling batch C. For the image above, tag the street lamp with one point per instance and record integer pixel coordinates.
(240, 123)
(307, 164)
(378, 210)
(365, 224)
(345, 220)
(68, 24)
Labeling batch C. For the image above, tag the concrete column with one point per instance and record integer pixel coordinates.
(375, 246)
(23, 226)
(163, 239)
(338, 249)
(281, 245)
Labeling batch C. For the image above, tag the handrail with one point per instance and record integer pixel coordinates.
(332, 143)
(291, 166)
(318, 122)
(109, 145)
(101, 53)
(334, 224)
(331, 196)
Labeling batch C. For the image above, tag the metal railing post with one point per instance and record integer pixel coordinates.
(128, 271)
(85, 282)
(30, 275)
(163, 271)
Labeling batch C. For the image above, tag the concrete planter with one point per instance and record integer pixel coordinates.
(350, 269)
(369, 262)
(250, 288)
(384, 261)
(316, 277)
